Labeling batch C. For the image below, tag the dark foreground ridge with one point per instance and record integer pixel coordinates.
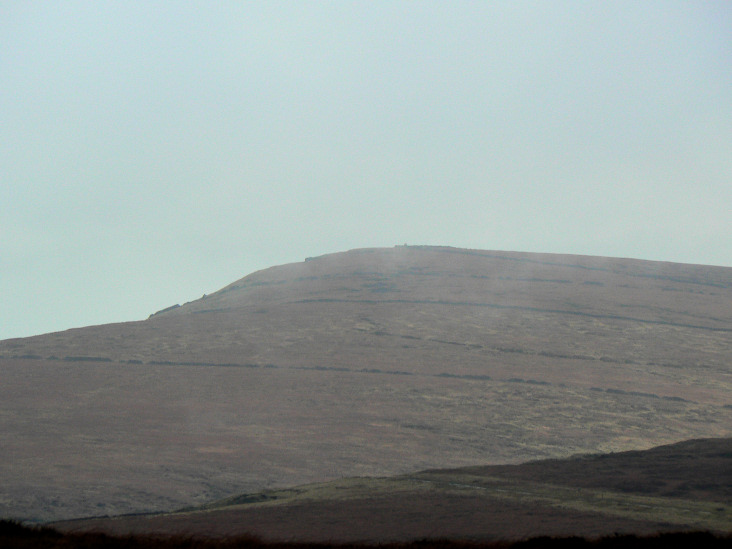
(15, 535)
(673, 488)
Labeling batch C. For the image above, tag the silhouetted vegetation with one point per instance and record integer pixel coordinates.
(14, 535)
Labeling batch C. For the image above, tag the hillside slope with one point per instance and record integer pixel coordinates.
(368, 362)
(685, 486)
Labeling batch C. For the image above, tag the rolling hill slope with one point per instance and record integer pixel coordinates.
(678, 487)
(368, 362)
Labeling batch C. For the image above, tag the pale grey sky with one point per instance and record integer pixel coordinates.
(151, 152)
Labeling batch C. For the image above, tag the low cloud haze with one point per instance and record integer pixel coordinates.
(155, 151)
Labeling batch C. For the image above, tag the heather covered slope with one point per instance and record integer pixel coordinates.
(679, 487)
(369, 362)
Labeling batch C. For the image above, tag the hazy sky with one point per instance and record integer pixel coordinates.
(151, 152)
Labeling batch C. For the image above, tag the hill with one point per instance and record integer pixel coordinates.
(680, 487)
(365, 363)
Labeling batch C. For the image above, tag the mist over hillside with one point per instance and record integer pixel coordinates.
(367, 362)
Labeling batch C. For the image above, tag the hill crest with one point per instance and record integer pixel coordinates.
(436, 261)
